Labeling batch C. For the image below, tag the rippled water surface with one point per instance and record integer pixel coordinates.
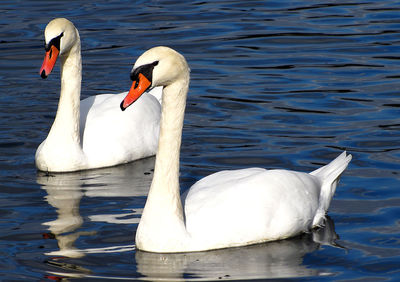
(277, 84)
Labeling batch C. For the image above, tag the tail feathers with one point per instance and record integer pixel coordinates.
(336, 167)
(329, 176)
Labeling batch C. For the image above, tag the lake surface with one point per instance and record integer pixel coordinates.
(276, 84)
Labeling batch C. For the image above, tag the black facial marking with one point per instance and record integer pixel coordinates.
(146, 70)
(55, 41)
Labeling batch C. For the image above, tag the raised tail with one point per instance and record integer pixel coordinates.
(329, 176)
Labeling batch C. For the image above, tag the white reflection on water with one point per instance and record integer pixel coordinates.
(280, 259)
(65, 191)
(270, 260)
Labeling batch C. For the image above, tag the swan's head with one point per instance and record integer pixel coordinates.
(159, 66)
(60, 36)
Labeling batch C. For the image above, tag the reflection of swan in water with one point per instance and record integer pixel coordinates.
(66, 190)
(65, 199)
(276, 259)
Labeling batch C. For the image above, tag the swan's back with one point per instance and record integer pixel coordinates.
(119, 136)
(256, 205)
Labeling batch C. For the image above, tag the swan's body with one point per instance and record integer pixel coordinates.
(91, 133)
(228, 208)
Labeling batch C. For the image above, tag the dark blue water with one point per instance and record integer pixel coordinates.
(277, 84)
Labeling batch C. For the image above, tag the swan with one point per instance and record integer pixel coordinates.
(91, 133)
(226, 209)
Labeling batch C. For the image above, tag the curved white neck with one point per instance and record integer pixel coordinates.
(162, 224)
(166, 171)
(66, 123)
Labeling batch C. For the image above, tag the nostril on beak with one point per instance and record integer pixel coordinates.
(43, 74)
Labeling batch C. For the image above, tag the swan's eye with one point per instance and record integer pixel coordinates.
(145, 70)
(54, 42)
(136, 83)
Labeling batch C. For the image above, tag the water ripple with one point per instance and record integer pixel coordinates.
(274, 84)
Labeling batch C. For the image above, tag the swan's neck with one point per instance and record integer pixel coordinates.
(162, 224)
(166, 171)
(66, 123)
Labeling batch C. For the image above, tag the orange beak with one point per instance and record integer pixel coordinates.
(137, 89)
(49, 61)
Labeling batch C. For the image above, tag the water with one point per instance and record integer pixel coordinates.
(277, 84)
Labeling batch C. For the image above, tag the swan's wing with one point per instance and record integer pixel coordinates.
(111, 136)
(157, 93)
(86, 105)
(252, 204)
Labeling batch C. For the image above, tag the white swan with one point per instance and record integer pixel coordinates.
(94, 132)
(228, 208)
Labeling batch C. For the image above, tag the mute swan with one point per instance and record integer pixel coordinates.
(91, 133)
(227, 208)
